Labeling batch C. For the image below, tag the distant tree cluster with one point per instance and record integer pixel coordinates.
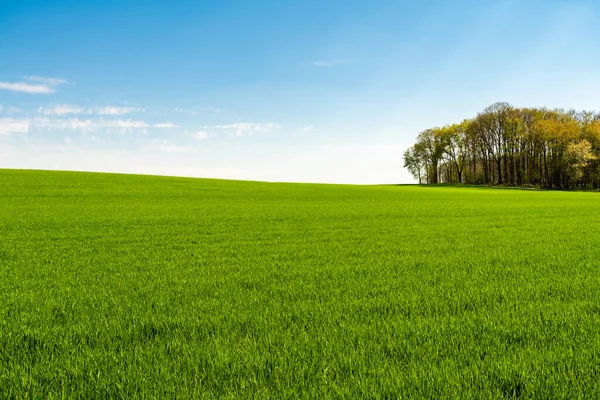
(515, 146)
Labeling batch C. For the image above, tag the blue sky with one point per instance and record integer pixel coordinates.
(275, 90)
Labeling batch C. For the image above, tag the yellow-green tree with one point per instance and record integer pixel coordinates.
(508, 145)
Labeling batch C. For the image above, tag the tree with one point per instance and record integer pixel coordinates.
(492, 123)
(413, 161)
(454, 140)
(430, 146)
(579, 155)
(504, 144)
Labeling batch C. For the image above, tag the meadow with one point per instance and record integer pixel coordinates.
(124, 286)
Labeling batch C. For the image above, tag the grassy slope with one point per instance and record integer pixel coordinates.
(116, 285)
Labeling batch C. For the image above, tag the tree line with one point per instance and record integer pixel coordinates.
(514, 146)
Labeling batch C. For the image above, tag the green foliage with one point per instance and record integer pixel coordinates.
(579, 155)
(117, 286)
(514, 146)
(413, 162)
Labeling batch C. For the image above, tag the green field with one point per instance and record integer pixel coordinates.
(122, 286)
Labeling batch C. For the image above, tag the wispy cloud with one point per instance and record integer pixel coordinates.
(112, 110)
(40, 85)
(166, 125)
(14, 110)
(200, 135)
(63, 124)
(25, 87)
(331, 63)
(193, 112)
(234, 130)
(66, 109)
(246, 128)
(46, 81)
(61, 109)
(9, 126)
(307, 128)
(123, 125)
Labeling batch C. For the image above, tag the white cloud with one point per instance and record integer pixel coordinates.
(14, 110)
(26, 87)
(166, 125)
(10, 110)
(193, 112)
(121, 123)
(65, 109)
(307, 128)
(41, 85)
(61, 109)
(330, 63)
(62, 124)
(9, 126)
(234, 130)
(86, 124)
(200, 135)
(246, 128)
(47, 81)
(75, 123)
(112, 110)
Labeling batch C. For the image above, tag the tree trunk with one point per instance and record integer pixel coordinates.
(499, 162)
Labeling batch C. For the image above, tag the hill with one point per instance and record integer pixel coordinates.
(141, 286)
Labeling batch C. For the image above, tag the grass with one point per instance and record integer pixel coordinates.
(121, 286)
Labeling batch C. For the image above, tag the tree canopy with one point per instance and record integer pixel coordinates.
(509, 145)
